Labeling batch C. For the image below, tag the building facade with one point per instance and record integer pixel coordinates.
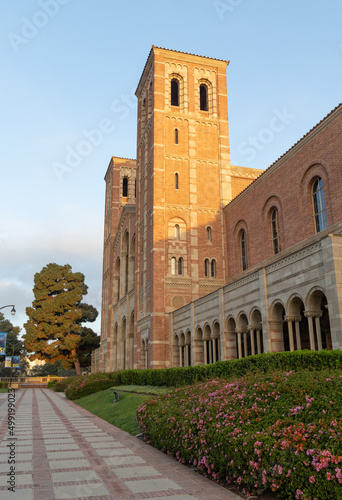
(204, 260)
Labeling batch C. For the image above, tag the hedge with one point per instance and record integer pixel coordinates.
(266, 362)
(88, 384)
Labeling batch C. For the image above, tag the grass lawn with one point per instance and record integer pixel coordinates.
(123, 413)
(3, 390)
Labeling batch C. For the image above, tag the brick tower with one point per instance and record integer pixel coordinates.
(183, 183)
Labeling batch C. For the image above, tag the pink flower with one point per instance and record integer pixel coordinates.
(312, 479)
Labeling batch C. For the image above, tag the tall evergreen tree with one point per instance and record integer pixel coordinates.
(54, 330)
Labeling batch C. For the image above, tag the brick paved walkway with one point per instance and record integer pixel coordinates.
(64, 452)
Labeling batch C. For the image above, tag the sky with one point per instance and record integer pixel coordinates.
(69, 70)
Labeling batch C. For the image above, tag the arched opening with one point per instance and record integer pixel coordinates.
(199, 347)
(216, 348)
(174, 92)
(208, 348)
(278, 328)
(257, 343)
(123, 345)
(125, 187)
(275, 231)
(318, 317)
(243, 248)
(213, 268)
(297, 326)
(232, 339)
(188, 348)
(176, 351)
(209, 234)
(176, 181)
(180, 266)
(177, 232)
(206, 268)
(244, 340)
(320, 215)
(204, 97)
(176, 135)
(173, 266)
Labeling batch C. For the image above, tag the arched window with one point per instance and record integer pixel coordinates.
(243, 250)
(135, 188)
(203, 97)
(173, 266)
(319, 205)
(275, 231)
(176, 135)
(209, 233)
(206, 268)
(176, 181)
(213, 268)
(174, 92)
(125, 187)
(180, 265)
(177, 232)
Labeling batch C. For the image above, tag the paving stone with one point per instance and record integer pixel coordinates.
(69, 464)
(138, 471)
(80, 491)
(149, 485)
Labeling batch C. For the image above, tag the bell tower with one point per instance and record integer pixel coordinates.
(183, 183)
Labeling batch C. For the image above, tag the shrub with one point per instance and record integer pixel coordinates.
(61, 385)
(281, 431)
(88, 384)
(176, 377)
(3, 385)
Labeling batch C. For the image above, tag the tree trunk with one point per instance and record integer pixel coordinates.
(76, 363)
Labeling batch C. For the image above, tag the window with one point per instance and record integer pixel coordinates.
(176, 135)
(243, 250)
(320, 215)
(135, 188)
(180, 265)
(206, 268)
(177, 232)
(174, 92)
(125, 187)
(209, 234)
(203, 97)
(173, 266)
(176, 181)
(213, 268)
(275, 231)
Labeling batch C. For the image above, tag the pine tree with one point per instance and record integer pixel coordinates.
(53, 331)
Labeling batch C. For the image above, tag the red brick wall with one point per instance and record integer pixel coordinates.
(287, 185)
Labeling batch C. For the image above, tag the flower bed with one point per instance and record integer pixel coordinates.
(278, 431)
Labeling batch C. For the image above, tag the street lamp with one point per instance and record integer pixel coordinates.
(13, 311)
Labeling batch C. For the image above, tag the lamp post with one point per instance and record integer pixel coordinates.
(13, 311)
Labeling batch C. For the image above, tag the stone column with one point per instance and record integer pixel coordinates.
(318, 329)
(289, 320)
(258, 340)
(252, 334)
(210, 351)
(245, 344)
(297, 320)
(239, 344)
(310, 316)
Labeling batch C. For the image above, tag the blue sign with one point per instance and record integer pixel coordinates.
(3, 338)
(16, 362)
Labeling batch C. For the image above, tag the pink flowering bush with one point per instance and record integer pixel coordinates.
(88, 384)
(277, 431)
